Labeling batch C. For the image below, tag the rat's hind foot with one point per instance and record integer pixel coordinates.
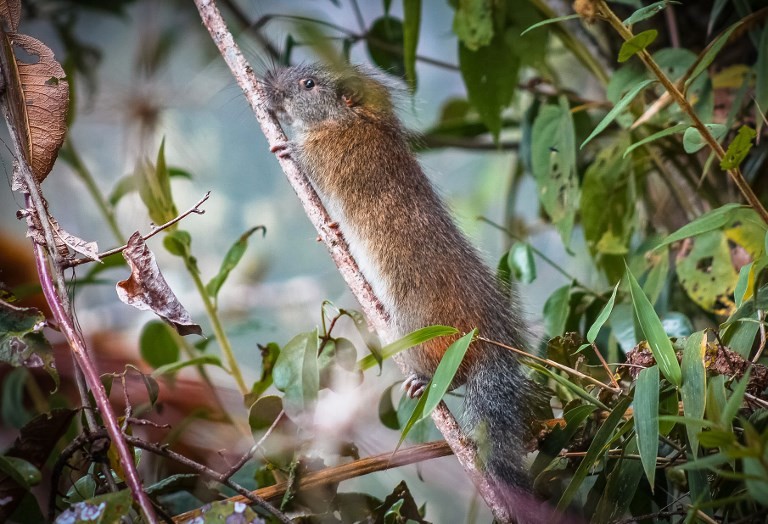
(415, 385)
(282, 149)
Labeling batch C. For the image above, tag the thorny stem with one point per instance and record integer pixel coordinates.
(334, 240)
(194, 209)
(672, 89)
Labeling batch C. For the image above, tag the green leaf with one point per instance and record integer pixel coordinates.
(269, 354)
(559, 437)
(657, 277)
(602, 316)
(553, 163)
(704, 60)
(556, 310)
(411, 25)
(389, 31)
(694, 388)
(22, 343)
(741, 284)
(756, 470)
(716, 401)
(636, 44)
(596, 450)
(709, 221)
(657, 339)
(155, 188)
(761, 80)
(739, 148)
(157, 344)
(296, 373)
(490, 75)
(231, 259)
(608, 204)
(551, 21)
(104, 509)
(415, 338)
(734, 402)
(694, 141)
(521, 263)
(440, 383)
(22, 472)
(387, 410)
(647, 12)
(263, 413)
(646, 406)
(618, 108)
(567, 384)
(716, 438)
(178, 243)
(661, 134)
(473, 23)
(129, 184)
(621, 484)
(174, 367)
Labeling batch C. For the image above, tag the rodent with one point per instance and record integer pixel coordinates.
(355, 151)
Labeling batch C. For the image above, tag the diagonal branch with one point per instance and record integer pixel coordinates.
(334, 241)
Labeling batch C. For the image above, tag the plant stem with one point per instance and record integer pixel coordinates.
(218, 330)
(681, 101)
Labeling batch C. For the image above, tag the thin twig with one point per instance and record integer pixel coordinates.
(249, 454)
(554, 364)
(334, 475)
(194, 209)
(605, 366)
(338, 247)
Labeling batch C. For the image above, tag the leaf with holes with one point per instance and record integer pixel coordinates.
(706, 271)
(38, 100)
(739, 148)
(22, 343)
(553, 161)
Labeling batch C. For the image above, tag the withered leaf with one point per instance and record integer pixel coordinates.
(22, 343)
(38, 96)
(10, 12)
(147, 289)
(88, 249)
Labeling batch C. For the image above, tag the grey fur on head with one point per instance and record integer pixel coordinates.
(309, 94)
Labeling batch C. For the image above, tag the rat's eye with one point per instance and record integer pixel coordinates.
(308, 83)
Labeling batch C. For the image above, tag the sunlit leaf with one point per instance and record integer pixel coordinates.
(412, 339)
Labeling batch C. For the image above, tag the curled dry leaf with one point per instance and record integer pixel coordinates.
(10, 12)
(77, 244)
(147, 289)
(38, 99)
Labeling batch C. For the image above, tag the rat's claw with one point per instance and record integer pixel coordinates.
(281, 149)
(415, 385)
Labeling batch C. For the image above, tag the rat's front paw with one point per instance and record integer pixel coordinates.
(282, 149)
(415, 385)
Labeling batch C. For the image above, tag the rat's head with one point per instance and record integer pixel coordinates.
(308, 95)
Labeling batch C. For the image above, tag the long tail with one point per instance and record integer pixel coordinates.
(500, 410)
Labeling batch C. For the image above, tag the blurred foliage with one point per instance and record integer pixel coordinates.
(651, 172)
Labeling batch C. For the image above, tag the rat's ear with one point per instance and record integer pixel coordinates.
(352, 91)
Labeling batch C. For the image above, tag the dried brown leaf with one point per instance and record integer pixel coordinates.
(10, 12)
(88, 249)
(38, 97)
(147, 289)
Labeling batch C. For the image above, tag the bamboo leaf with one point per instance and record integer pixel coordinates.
(551, 21)
(711, 51)
(694, 388)
(647, 12)
(415, 338)
(618, 108)
(411, 25)
(596, 450)
(646, 407)
(603, 316)
(440, 383)
(654, 332)
(661, 134)
(709, 221)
